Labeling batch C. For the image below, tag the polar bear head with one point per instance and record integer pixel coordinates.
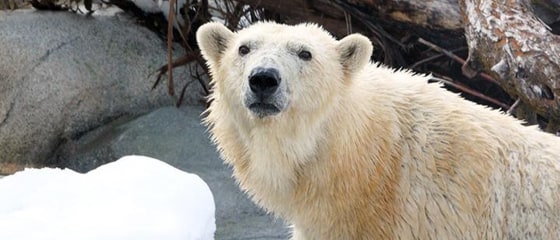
(270, 70)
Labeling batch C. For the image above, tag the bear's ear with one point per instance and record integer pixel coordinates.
(212, 39)
(355, 52)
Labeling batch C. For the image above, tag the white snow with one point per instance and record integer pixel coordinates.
(135, 197)
(105, 11)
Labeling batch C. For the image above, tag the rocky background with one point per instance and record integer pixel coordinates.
(75, 92)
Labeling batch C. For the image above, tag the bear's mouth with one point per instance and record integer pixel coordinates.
(263, 109)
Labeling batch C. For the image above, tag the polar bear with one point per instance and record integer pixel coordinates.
(343, 148)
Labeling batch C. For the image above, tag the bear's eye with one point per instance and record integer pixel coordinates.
(244, 50)
(304, 55)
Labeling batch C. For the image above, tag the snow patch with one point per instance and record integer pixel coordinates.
(135, 197)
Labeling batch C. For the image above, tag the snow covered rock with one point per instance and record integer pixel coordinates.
(135, 197)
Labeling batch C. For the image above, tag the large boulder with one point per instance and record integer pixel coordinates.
(62, 74)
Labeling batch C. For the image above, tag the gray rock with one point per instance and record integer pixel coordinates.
(177, 137)
(62, 74)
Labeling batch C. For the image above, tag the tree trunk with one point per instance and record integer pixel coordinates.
(506, 39)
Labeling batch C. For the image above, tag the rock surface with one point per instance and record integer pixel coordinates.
(62, 74)
(177, 137)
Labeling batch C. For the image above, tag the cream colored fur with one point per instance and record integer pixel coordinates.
(368, 152)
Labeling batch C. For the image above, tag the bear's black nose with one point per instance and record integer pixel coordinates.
(264, 82)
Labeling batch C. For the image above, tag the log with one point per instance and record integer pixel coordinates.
(436, 20)
(508, 40)
(384, 22)
(433, 15)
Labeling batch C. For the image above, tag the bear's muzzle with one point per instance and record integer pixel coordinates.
(263, 98)
(264, 82)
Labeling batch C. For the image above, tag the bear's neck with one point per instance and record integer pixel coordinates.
(279, 154)
(275, 156)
